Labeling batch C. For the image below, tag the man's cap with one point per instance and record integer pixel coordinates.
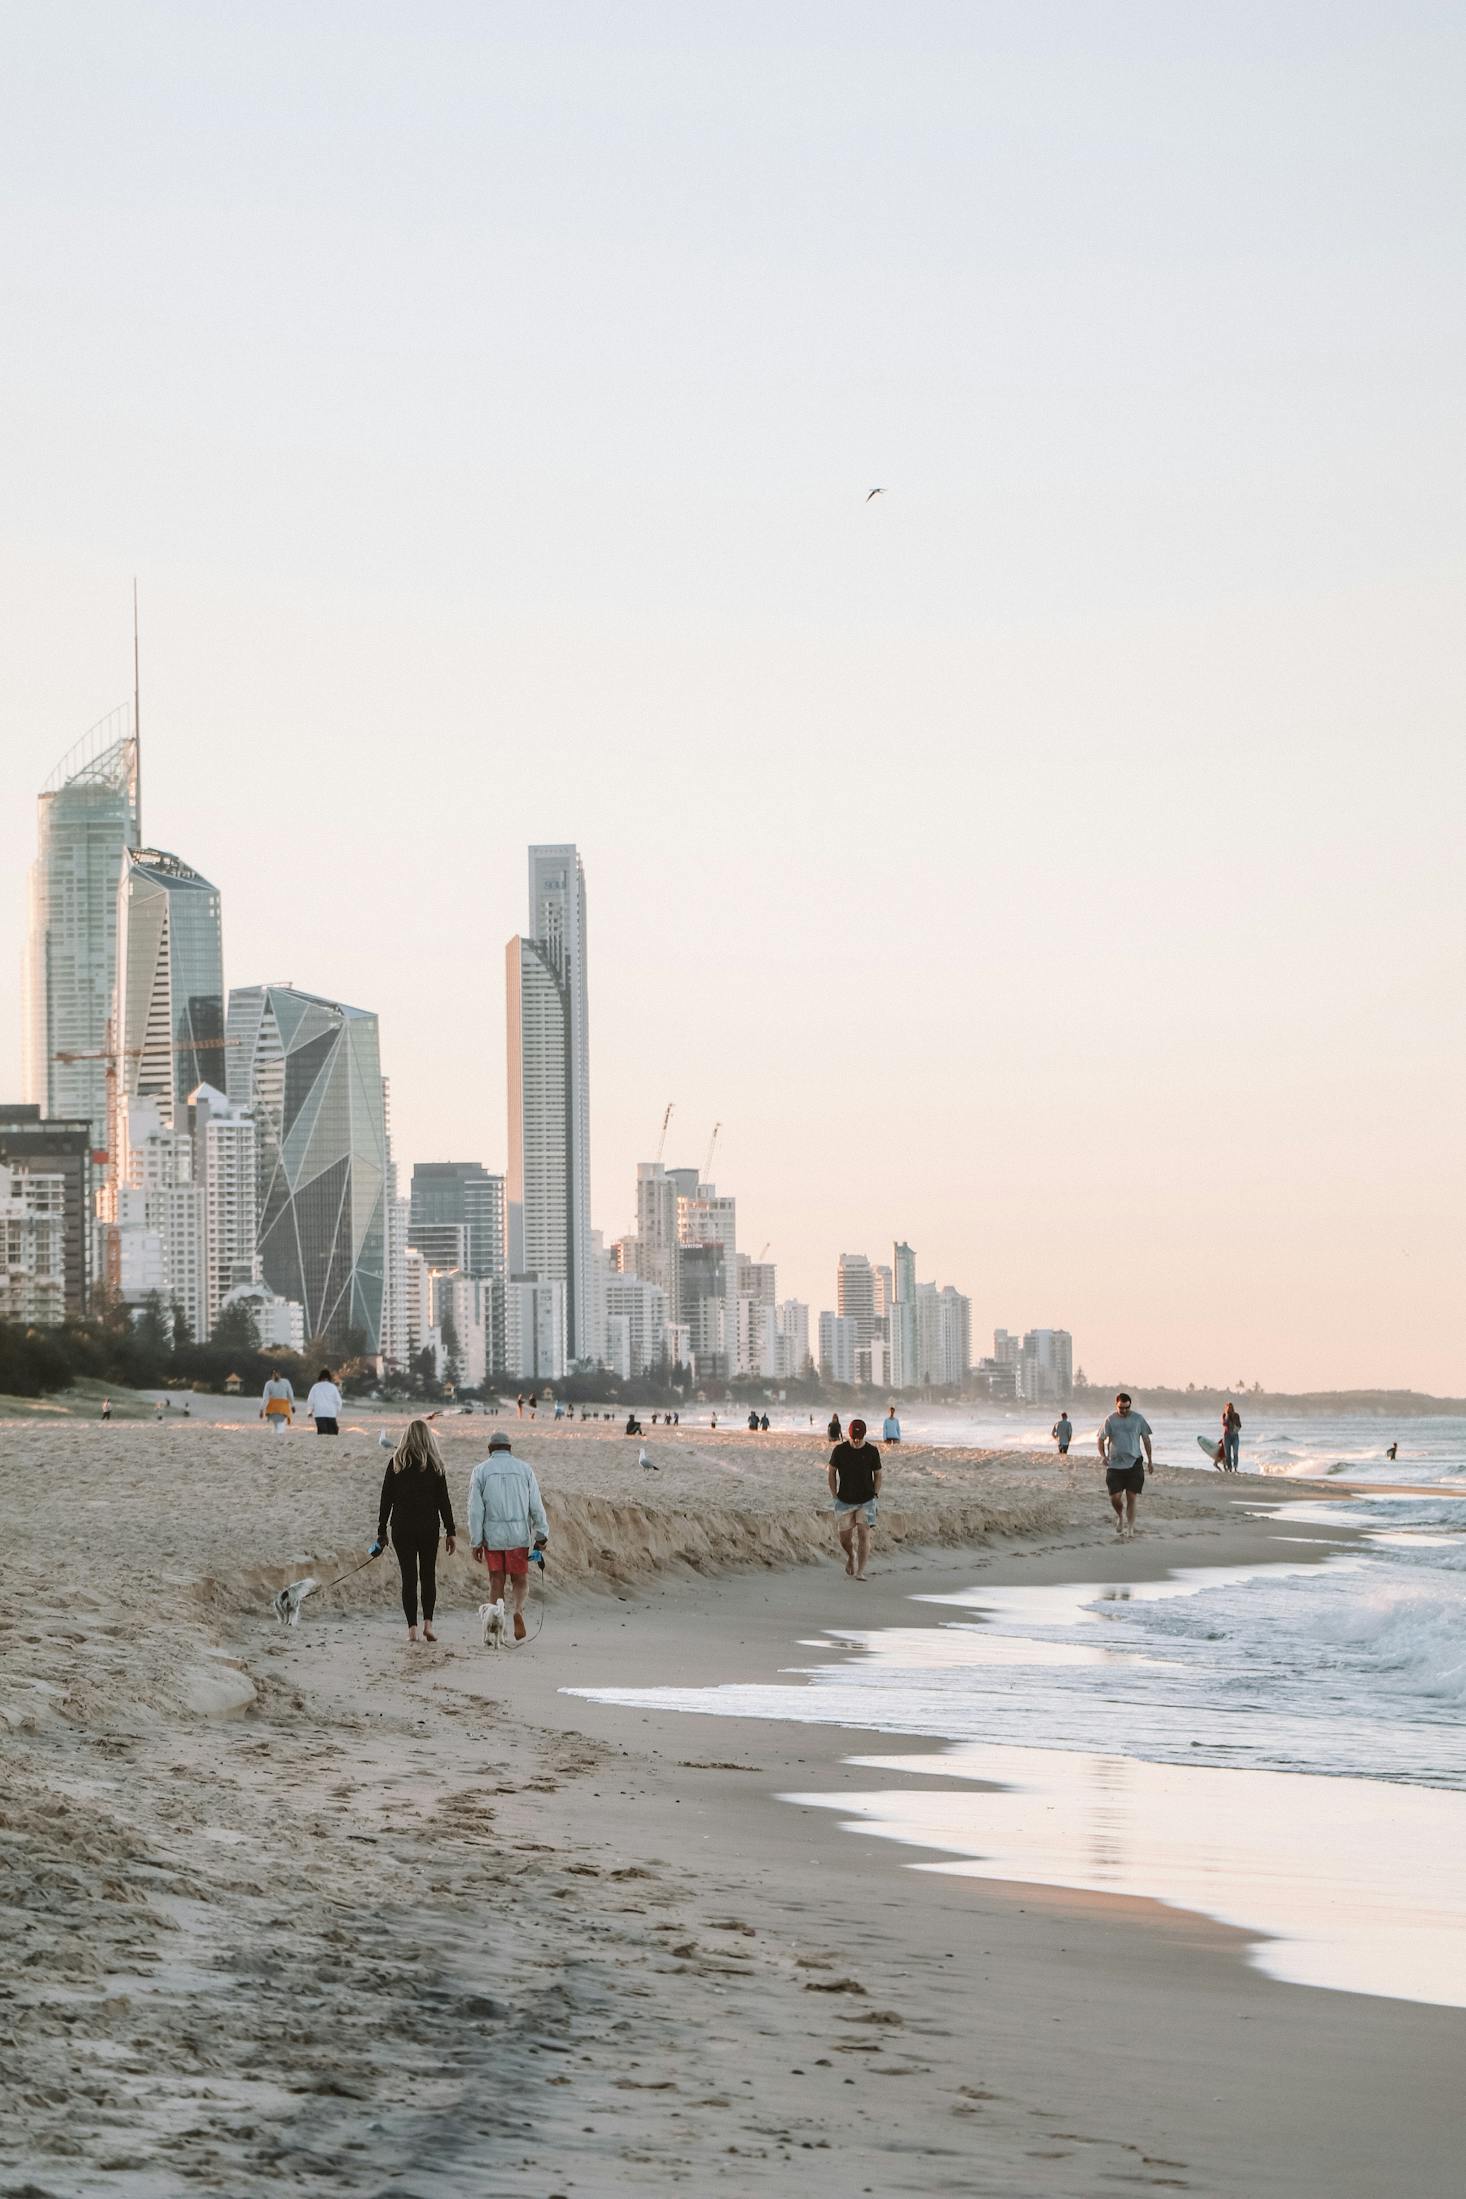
(498, 1441)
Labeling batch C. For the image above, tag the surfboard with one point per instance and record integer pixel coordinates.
(1212, 1450)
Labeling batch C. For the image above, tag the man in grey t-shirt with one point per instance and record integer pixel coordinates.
(1124, 1445)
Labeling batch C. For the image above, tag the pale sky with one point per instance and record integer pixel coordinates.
(1055, 862)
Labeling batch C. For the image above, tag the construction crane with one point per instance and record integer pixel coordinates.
(112, 1055)
(707, 1166)
(662, 1140)
(764, 1254)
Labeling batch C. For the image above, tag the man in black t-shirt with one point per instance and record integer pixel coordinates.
(855, 1484)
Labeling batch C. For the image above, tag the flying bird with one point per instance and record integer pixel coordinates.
(875, 492)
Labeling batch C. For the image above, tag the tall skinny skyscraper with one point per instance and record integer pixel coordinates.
(548, 1186)
(87, 821)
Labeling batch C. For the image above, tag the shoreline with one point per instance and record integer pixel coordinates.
(313, 1905)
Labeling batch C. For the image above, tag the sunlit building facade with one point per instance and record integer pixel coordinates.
(87, 819)
(547, 1190)
(169, 1016)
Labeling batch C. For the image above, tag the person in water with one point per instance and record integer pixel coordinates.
(855, 1485)
(414, 1499)
(1063, 1433)
(1231, 1437)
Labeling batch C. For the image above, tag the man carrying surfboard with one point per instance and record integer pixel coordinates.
(1124, 1445)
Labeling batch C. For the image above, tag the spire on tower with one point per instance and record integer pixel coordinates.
(137, 742)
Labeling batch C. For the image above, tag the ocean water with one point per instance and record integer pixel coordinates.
(1332, 1685)
(1308, 1446)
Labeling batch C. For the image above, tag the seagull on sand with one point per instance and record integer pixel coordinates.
(644, 1459)
(875, 492)
(384, 1442)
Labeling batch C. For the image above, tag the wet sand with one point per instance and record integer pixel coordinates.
(317, 1911)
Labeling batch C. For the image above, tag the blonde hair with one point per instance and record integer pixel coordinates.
(418, 1451)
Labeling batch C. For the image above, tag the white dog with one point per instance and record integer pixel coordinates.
(286, 1606)
(491, 1619)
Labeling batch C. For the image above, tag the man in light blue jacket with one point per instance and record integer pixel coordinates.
(505, 1514)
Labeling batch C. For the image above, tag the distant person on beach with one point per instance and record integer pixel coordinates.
(1392, 1452)
(505, 1515)
(323, 1406)
(855, 1484)
(278, 1402)
(753, 1423)
(834, 1430)
(106, 1408)
(891, 1426)
(519, 1404)
(764, 1422)
(1231, 1438)
(633, 1425)
(1063, 1434)
(414, 1498)
(1122, 1440)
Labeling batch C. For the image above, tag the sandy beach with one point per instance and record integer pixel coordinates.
(313, 1910)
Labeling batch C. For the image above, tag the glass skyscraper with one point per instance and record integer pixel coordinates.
(311, 1071)
(462, 1195)
(87, 821)
(548, 1184)
(170, 984)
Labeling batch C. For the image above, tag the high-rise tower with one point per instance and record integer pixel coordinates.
(548, 1182)
(169, 1017)
(87, 821)
(310, 1071)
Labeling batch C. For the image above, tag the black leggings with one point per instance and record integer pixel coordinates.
(417, 1554)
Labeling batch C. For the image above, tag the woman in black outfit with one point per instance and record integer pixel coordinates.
(414, 1498)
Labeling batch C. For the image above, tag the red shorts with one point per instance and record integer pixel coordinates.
(513, 1562)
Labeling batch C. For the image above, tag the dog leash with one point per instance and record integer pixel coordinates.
(340, 1577)
(539, 1602)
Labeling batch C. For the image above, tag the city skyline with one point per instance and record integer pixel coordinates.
(285, 1190)
(1051, 861)
(105, 768)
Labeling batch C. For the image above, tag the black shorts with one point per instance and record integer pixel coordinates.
(1063, 1450)
(1122, 1479)
(326, 1427)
